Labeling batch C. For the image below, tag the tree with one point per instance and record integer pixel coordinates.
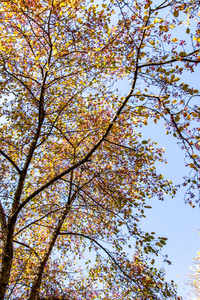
(194, 281)
(75, 173)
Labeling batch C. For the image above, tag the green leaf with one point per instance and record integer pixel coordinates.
(182, 53)
(144, 142)
(188, 30)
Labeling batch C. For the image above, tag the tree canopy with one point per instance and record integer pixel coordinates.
(76, 175)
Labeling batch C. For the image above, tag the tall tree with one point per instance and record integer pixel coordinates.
(75, 171)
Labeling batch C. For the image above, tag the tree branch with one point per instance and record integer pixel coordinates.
(35, 221)
(11, 161)
(27, 246)
(3, 220)
(171, 60)
(104, 249)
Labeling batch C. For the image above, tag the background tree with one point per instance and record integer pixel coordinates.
(194, 278)
(75, 173)
(194, 282)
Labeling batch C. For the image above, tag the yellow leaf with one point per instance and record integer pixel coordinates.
(174, 40)
(176, 79)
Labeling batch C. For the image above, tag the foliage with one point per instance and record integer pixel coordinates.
(76, 175)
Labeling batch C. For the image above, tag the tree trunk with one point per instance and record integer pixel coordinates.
(7, 256)
(34, 294)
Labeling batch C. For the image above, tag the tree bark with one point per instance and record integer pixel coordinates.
(7, 256)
